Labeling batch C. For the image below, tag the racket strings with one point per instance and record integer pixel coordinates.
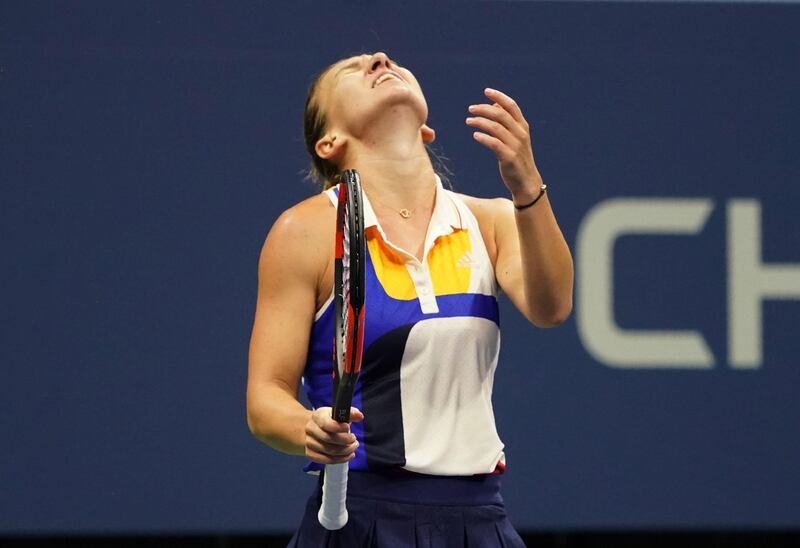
(357, 255)
(345, 288)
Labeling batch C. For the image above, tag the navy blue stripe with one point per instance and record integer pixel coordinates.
(407, 487)
(384, 442)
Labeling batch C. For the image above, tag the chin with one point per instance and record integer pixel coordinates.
(403, 95)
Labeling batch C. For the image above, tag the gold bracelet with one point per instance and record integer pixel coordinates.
(541, 193)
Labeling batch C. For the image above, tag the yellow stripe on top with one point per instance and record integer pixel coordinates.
(449, 262)
(390, 267)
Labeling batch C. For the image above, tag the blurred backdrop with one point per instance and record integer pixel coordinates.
(146, 149)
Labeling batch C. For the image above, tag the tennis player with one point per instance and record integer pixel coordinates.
(424, 454)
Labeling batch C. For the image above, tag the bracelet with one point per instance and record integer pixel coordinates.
(541, 193)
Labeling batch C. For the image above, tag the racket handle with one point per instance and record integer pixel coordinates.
(333, 511)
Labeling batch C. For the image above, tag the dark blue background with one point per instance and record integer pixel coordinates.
(147, 148)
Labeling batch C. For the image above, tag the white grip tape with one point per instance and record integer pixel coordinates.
(333, 511)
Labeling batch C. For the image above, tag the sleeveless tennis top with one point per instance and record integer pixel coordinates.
(431, 343)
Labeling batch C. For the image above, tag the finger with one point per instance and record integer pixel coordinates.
(333, 450)
(325, 459)
(321, 414)
(313, 430)
(493, 128)
(332, 426)
(498, 114)
(507, 103)
(322, 417)
(329, 449)
(494, 144)
(356, 415)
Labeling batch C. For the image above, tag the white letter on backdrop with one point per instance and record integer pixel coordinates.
(602, 337)
(750, 281)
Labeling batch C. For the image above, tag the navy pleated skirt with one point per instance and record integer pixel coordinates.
(399, 510)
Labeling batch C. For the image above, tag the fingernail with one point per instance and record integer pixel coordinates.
(471, 108)
(489, 90)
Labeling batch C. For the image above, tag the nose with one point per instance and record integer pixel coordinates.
(378, 60)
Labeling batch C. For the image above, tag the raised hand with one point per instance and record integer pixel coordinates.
(505, 132)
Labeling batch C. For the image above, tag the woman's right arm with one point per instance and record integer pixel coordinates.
(291, 263)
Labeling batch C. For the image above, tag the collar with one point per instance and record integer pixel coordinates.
(444, 220)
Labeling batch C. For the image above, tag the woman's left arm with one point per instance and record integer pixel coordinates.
(533, 264)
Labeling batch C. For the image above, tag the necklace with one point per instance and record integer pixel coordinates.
(404, 212)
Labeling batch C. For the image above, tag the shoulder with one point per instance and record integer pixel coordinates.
(302, 234)
(306, 219)
(486, 210)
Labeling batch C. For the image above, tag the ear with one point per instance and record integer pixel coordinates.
(428, 135)
(330, 146)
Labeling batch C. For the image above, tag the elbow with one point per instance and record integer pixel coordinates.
(262, 430)
(552, 318)
(256, 426)
(251, 424)
(258, 420)
(277, 421)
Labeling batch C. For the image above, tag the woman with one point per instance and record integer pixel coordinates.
(425, 458)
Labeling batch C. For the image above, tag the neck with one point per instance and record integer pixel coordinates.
(393, 164)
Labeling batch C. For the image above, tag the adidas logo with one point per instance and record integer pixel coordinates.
(465, 261)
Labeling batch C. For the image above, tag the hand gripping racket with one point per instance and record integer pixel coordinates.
(349, 272)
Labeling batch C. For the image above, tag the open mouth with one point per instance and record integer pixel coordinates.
(384, 77)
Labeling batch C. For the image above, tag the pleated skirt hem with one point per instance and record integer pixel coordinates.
(375, 522)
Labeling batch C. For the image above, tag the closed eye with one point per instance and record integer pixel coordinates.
(355, 64)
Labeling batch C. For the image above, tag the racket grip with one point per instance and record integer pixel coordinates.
(333, 511)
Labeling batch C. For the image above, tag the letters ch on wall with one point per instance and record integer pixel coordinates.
(750, 282)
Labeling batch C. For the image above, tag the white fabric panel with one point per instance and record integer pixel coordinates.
(448, 420)
(482, 279)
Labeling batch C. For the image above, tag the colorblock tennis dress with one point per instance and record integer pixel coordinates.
(431, 345)
(425, 473)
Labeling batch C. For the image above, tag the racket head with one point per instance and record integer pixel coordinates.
(349, 281)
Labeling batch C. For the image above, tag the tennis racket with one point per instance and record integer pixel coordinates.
(348, 338)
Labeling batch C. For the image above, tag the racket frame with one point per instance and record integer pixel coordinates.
(348, 336)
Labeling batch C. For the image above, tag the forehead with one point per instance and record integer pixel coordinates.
(328, 78)
(341, 64)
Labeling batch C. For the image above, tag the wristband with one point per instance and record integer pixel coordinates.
(542, 190)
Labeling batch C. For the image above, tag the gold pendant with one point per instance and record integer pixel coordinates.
(404, 213)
